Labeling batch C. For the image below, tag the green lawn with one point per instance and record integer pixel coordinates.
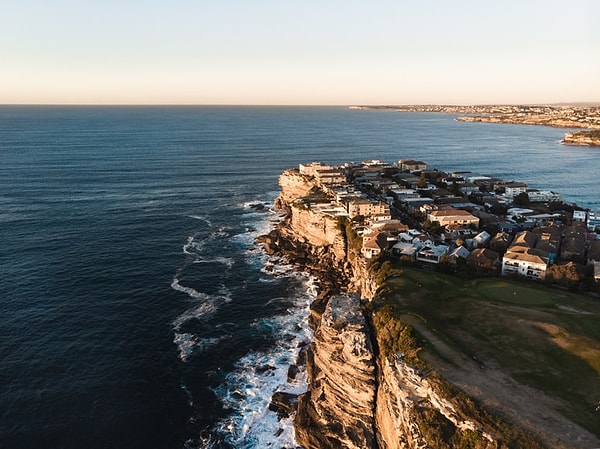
(546, 338)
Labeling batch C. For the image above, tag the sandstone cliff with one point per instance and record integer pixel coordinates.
(357, 396)
(293, 185)
(585, 138)
(337, 411)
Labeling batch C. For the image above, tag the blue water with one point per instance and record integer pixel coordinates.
(135, 309)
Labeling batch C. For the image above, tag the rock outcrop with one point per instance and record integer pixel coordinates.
(337, 411)
(294, 185)
(585, 138)
(403, 394)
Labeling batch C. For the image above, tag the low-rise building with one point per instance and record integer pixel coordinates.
(481, 239)
(404, 249)
(525, 262)
(580, 215)
(512, 189)
(411, 165)
(431, 253)
(366, 207)
(484, 259)
(453, 216)
(593, 221)
(542, 196)
(460, 252)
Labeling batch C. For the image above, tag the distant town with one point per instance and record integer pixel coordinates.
(462, 220)
(560, 116)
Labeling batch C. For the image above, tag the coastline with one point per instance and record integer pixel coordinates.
(557, 116)
(343, 271)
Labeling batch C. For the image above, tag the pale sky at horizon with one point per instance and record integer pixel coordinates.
(299, 52)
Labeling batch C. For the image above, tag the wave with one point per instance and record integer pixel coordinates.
(247, 390)
(189, 344)
(203, 218)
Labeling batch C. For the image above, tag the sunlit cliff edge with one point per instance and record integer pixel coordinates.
(365, 392)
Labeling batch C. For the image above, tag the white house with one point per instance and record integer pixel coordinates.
(525, 262)
(542, 196)
(431, 253)
(512, 189)
(579, 215)
(404, 249)
(481, 239)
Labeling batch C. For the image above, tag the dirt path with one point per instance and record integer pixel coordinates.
(517, 403)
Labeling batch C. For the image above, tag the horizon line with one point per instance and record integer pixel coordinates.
(373, 105)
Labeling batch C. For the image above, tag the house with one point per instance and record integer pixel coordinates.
(501, 242)
(530, 253)
(411, 165)
(453, 216)
(483, 258)
(366, 207)
(524, 262)
(460, 252)
(573, 244)
(404, 249)
(542, 196)
(580, 215)
(512, 189)
(431, 253)
(593, 221)
(525, 239)
(407, 179)
(374, 245)
(481, 239)
(548, 240)
(414, 204)
(468, 188)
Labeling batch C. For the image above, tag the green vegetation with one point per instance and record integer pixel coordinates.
(544, 338)
(522, 199)
(353, 240)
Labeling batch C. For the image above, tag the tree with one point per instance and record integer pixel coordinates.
(522, 199)
(422, 184)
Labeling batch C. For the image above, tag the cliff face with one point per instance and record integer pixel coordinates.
(293, 185)
(585, 138)
(337, 411)
(318, 229)
(404, 396)
(355, 399)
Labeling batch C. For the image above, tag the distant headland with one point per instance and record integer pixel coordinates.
(559, 116)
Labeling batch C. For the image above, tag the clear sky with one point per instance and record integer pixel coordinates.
(338, 52)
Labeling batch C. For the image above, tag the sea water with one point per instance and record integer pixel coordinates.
(136, 310)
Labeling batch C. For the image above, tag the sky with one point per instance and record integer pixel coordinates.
(299, 52)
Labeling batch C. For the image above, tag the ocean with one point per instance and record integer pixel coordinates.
(136, 311)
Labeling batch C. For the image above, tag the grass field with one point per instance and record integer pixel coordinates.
(544, 338)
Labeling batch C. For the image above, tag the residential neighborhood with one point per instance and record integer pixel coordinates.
(462, 220)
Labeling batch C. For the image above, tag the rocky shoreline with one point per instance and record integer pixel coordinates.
(584, 138)
(356, 398)
(359, 397)
(338, 408)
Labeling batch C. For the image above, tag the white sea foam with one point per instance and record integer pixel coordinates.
(205, 306)
(185, 343)
(202, 218)
(175, 285)
(247, 390)
(258, 375)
